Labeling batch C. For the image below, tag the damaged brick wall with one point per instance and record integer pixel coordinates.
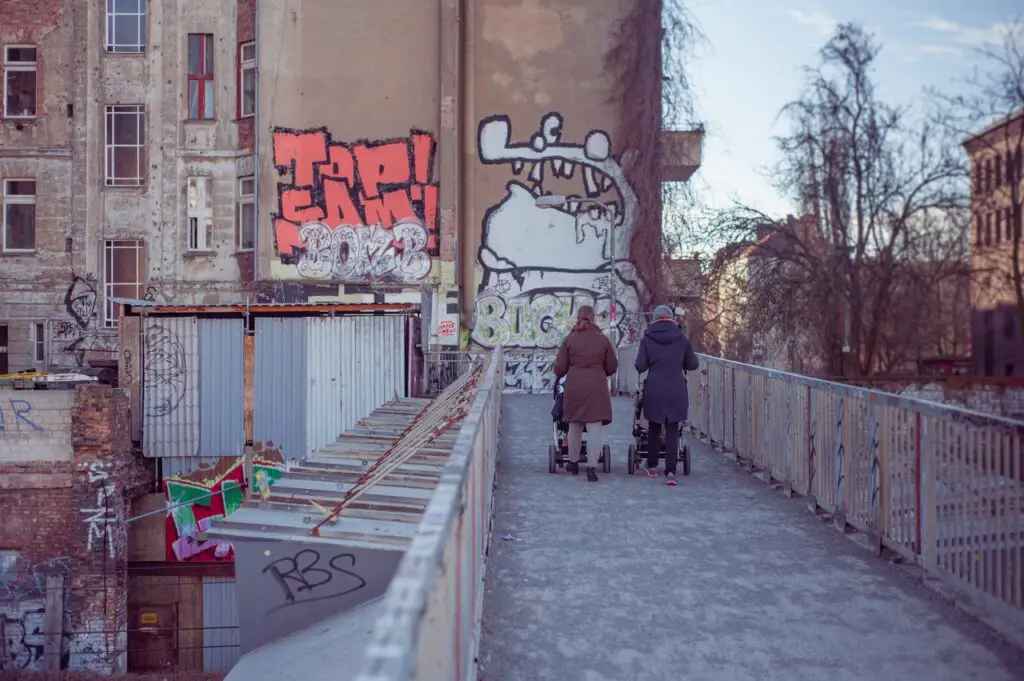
(64, 517)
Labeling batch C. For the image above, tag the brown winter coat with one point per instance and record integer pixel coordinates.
(586, 358)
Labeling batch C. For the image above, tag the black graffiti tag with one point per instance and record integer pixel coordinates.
(301, 575)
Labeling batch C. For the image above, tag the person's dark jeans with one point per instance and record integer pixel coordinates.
(671, 445)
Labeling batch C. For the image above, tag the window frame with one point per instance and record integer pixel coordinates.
(142, 16)
(111, 112)
(201, 211)
(7, 200)
(110, 248)
(206, 75)
(245, 199)
(39, 343)
(244, 66)
(21, 67)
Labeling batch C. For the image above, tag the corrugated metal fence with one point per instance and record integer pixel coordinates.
(312, 379)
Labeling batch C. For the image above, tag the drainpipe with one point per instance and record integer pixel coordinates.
(449, 167)
(468, 231)
(256, 151)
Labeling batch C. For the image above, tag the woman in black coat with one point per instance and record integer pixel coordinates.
(665, 353)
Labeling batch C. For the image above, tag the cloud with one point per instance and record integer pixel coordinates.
(941, 50)
(821, 23)
(968, 35)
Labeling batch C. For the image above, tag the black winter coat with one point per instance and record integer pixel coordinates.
(665, 352)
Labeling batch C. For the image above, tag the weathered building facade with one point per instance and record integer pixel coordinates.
(997, 248)
(269, 150)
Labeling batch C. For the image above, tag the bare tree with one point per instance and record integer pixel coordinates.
(881, 193)
(989, 120)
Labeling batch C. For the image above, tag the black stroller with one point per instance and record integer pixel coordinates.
(558, 450)
(638, 450)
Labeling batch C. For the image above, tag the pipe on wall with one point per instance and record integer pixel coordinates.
(468, 233)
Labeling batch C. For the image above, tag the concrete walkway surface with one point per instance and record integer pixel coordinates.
(718, 579)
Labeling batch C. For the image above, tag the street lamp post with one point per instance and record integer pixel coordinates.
(556, 201)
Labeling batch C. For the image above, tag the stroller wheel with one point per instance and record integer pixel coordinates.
(606, 456)
(686, 460)
(631, 459)
(552, 459)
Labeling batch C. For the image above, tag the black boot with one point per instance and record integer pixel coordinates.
(591, 474)
(573, 467)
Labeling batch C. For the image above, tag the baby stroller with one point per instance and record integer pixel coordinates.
(638, 450)
(558, 450)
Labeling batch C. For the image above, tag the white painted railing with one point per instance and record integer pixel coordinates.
(429, 626)
(940, 485)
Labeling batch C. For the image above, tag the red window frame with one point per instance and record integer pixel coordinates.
(205, 74)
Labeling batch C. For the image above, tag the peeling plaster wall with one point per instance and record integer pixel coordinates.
(63, 150)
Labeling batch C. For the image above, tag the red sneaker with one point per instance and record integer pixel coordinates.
(670, 479)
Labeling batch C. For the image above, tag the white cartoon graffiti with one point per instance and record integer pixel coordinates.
(541, 264)
(357, 253)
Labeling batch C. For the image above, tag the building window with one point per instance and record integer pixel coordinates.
(124, 269)
(247, 80)
(999, 170)
(19, 216)
(39, 343)
(1008, 221)
(988, 229)
(3, 349)
(20, 77)
(125, 145)
(200, 213)
(126, 25)
(200, 76)
(988, 174)
(246, 214)
(999, 225)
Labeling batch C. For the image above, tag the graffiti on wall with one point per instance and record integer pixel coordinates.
(356, 211)
(541, 264)
(529, 373)
(79, 333)
(165, 370)
(101, 519)
(17, 417)
(21, 624)
(195, 500)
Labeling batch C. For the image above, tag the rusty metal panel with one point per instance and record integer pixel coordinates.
(170, 387)
(248, 366)
(221, 393)
(279, 384)
(129, 376)
(220, 624)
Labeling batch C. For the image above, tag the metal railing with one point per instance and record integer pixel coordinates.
(442, 367)
(940, 485)
(429, 624)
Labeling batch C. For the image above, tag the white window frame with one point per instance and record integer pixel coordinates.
(39, 343)
(199, 212)
(245, 198)
(22, 66)
(111, 114)
(246, 66)
(141, 16)
(16, 200)
(112, 247)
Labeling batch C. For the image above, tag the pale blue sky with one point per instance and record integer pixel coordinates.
(749, 66)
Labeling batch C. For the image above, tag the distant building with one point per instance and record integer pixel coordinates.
(997, 160)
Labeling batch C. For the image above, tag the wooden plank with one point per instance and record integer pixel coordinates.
(53, 623)
(129, 340)
(248, 381)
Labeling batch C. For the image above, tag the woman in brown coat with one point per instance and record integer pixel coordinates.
(586, 359)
